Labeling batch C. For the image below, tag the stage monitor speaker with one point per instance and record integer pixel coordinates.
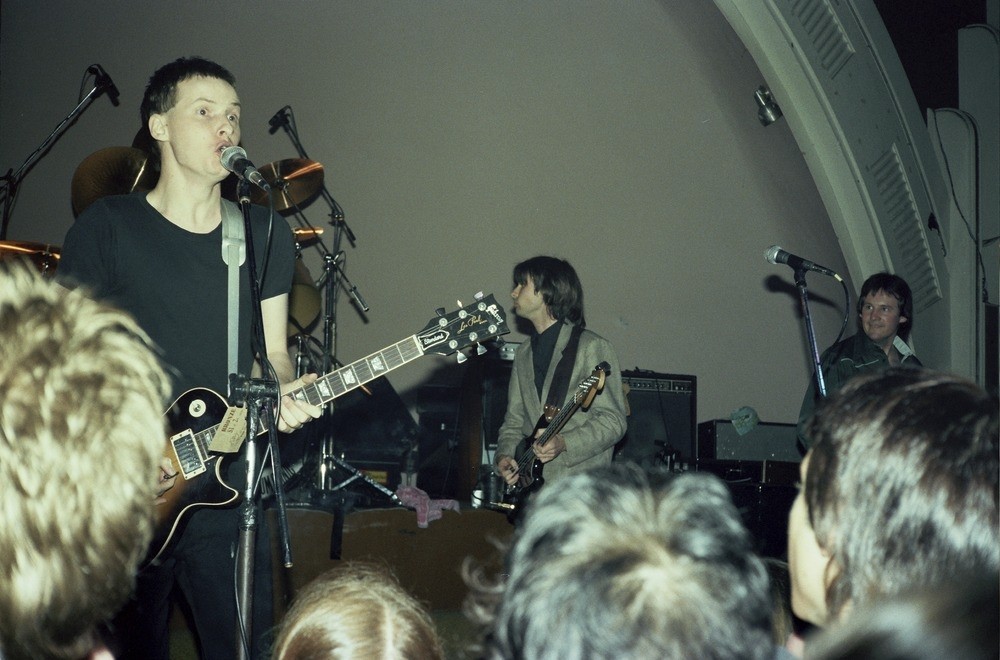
(661, 423)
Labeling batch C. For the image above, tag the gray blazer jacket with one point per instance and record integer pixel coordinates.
(590, 433)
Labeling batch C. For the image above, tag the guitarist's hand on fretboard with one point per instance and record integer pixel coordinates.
(294, 413)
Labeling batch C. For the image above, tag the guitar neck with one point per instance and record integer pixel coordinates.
(343, 380)
(558, 422)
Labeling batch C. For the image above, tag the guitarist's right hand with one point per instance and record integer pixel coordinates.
(165, 478)
(507, 468)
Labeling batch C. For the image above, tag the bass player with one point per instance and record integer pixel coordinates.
(548, 295)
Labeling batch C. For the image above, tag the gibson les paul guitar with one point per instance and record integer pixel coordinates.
(552, 421)
(195, 417)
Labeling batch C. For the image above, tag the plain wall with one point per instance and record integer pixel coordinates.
(461, 137)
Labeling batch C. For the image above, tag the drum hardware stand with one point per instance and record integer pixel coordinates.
(332, 279)
(11, 180)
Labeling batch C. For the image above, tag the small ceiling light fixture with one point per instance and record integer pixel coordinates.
(768, 111)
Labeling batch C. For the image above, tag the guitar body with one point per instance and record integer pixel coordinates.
(530, 479)
(196, 411)
(552, 421)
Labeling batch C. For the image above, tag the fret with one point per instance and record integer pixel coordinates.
(363, 370)
(409, 349)
(393, 357)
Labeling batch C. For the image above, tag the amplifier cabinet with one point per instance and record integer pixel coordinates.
(662, 417)
(718, 440)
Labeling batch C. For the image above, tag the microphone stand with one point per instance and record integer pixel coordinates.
(800, 282)
(336, 212)
(332, 279)
(12, 180)
(260, 397)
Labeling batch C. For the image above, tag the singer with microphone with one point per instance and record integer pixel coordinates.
(885, 319)
(158, 255)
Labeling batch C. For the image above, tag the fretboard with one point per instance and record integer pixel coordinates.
(343, 380)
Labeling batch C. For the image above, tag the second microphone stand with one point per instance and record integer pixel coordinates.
(332, 280)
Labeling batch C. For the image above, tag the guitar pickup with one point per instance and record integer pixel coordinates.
(190, 457)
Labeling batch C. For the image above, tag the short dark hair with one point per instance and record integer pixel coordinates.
(161, 90)
(902, 482)
(558, 285)
(957, 619)
(667, 558)
(895, 286)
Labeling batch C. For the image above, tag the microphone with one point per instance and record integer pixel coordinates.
(776, 255)
(104, 83)
(235, 160)
(279, 119)
(357, 298)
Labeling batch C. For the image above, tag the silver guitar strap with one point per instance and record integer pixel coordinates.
(234, 253)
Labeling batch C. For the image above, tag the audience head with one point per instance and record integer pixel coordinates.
(356, 611)
(900, 490)
(618, 563)
(557, 282)
(955, 620)
(81, 434)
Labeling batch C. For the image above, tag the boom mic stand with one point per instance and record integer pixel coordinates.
(332, 279)
(11, 181)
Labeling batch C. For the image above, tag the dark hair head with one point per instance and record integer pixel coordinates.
(667, 558)
(161, 91)
(895, 286)
(956, 619)
(558, 285)
(902, 482)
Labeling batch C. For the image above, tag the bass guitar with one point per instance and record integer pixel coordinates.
(553, 419)
(196, 416)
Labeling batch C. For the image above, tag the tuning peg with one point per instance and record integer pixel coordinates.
(439, 311)
(480, 349)
(479, 295)
(461, 357)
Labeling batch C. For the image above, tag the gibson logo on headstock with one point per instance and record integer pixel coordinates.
(431, 340)
(471, 322)
(494, 311)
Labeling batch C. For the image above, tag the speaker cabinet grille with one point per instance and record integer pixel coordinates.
(661, 423)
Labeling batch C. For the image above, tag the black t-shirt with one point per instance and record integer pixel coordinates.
(174, 282)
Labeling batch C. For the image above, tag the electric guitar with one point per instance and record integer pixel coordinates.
(553, 419)
(196, 416)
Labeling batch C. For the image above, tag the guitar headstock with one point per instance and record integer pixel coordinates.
(470, 325)
(592, 384)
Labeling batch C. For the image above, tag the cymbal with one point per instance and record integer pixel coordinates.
(45, 257)
(303, 301)
(110, 171)
(306, 236)
(293, 182)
